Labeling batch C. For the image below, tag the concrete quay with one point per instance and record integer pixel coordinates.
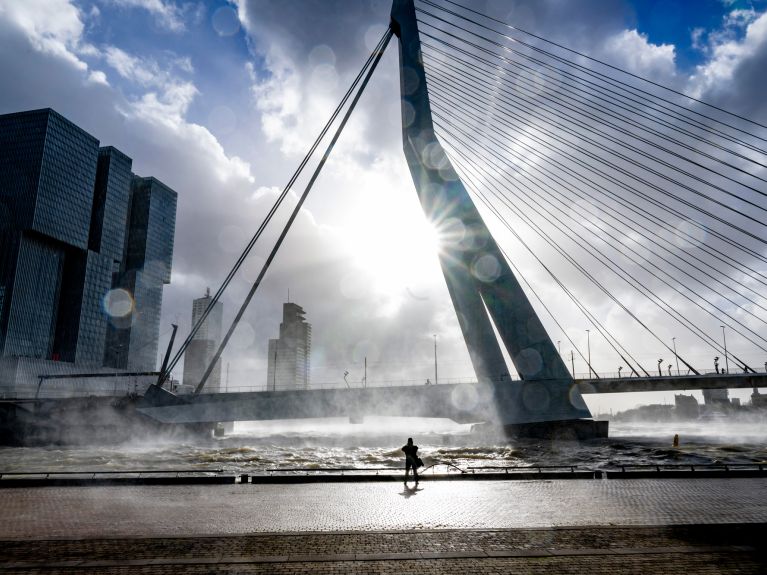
(576, 526)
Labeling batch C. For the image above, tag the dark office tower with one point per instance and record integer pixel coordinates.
(204, 345)
(288, 364)
(74, 222)
(132, 339)
(110, 204)
(47, 173)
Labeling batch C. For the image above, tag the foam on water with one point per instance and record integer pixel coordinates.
(256, 447)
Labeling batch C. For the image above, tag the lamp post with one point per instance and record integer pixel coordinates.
(726, 363)
(572, 360)
(436, 381)
(660, 373)
(588, 346)
(673, 339)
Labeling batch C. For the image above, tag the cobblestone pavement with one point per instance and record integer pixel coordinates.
(712, 548)
(189, 510)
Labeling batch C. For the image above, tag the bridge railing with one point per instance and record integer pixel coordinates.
(355, 385)
(627, 374)
(466, 380)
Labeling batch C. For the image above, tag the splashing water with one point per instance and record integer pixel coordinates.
(258, 447)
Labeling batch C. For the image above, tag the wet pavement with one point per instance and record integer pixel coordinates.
(194, 510)
(594, 527)
(713, 549)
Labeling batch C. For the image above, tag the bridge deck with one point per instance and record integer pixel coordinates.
(464, 403)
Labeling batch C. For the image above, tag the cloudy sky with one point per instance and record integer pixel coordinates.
(220, 100)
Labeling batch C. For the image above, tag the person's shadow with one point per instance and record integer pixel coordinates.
(409, 492)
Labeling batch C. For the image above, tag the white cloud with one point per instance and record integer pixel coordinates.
(632, 51)
(168, 14)
(98, 77)
(52, 26)
(728, 53)
(131, 67)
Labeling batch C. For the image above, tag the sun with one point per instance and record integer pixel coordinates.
(397, 250)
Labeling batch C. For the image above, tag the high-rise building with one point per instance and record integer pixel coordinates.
(288, 362)
(203, 346)
(132, 340)
(65, 233)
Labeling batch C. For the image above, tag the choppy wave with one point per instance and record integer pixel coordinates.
(327, 448)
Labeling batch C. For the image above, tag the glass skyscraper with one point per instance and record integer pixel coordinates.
(288, 362)
(204, 345)
(132, 341)
(73, 223)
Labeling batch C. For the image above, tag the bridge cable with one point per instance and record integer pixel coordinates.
(548, 239)
(566, 103)
(246, 251)
(635, 209)
(574, 94)
(667, 165)
(566, 186)
(470, 102)
(622, 143)
(578, 266)
(592, 72)
(589, 86)
(653, 201)
(636, 284)
(589, 316)
(652, 186)
(372, 67)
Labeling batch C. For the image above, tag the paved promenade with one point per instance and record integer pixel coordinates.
(573, 526)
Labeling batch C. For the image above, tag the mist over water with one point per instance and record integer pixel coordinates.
(256, 447)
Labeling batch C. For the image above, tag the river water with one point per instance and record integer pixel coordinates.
(259, 447)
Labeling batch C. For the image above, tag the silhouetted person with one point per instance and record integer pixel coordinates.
(411, 459)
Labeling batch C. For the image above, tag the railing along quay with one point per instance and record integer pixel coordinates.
(293, 475)
(115, 477)
(685, 470)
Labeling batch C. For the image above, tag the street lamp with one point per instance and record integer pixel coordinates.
(588, 345)
(660, 373)
(620, 367)
(673, 339)
(726, 363)
(572, 361)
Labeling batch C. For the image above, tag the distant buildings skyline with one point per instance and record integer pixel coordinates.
(85, 249)
(289, 355)
(204, 345)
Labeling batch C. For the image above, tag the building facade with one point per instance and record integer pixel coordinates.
(203, 346)
(65, 230)
(151, 222)
(288, 359)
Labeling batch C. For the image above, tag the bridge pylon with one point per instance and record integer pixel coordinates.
(483, 289)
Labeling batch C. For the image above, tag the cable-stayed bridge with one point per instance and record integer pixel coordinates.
(635, 187)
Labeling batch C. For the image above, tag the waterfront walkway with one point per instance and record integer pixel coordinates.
(567, 526)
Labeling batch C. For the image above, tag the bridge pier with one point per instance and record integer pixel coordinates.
(563, 430)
